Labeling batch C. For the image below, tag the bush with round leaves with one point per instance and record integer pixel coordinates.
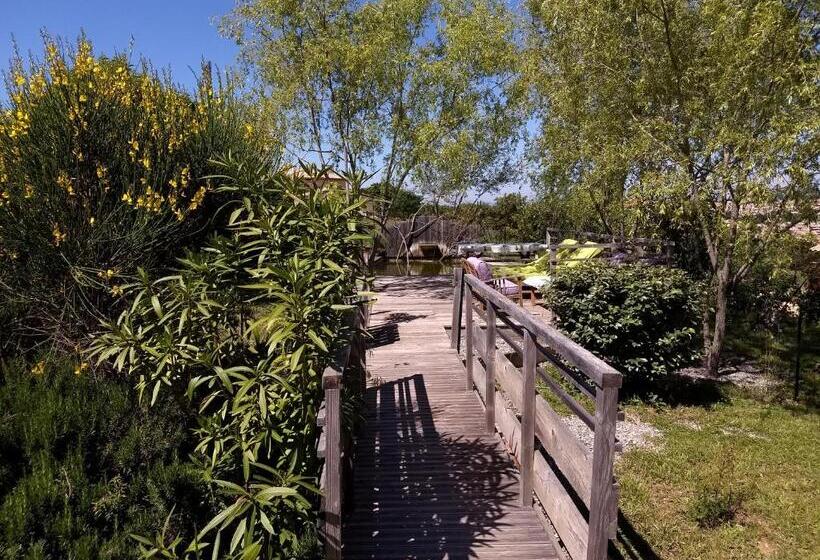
(643, 320)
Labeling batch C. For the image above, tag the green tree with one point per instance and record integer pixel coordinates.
(703, 113)
(422, 93)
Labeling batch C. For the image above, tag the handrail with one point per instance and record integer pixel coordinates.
(347, 369)
(560, 471)
(594, 367)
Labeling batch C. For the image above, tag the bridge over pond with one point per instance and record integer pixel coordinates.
(458, 456)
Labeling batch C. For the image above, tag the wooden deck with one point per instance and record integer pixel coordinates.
(429, 481)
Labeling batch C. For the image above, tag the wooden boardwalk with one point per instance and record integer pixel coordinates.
(429, 481)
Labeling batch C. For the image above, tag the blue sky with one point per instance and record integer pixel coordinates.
(173, 34)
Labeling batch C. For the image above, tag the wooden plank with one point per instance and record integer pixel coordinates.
(468, 296)
(332, 522)
(509, 378)
(430, 483)
(321, 416)
(489, 365)
(570, 524)
(479, 340)
(596, 369)
(565, 397)
(527, 420)
(458, 289)
(603, 458)
(559, 442)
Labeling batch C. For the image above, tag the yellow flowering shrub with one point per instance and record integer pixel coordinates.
(104, 165)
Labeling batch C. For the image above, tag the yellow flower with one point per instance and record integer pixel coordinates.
(39, 368)
(80, 368)
(126, 197)
(57, 235)
(116, 290)
(29, 192)
(64, 182)
(83, 98)
(91, 220)
(20, 80)
(197, 199)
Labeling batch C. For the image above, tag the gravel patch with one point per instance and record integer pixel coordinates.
(631, 432)
(743, 374)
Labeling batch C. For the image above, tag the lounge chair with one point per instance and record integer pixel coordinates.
(566, 256)
(508, 286)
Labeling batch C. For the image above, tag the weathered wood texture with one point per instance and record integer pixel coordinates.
(428, 236)
(564, 458)
(430, 482)
(347, 368)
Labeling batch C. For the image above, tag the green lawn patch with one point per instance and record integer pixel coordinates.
(736, 479)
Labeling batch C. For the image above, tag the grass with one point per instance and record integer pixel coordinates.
(737, 471)
(775, 351)
(736, 479)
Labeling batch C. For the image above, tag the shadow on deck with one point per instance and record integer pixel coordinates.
(422, 494)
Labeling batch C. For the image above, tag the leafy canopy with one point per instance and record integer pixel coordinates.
(406, 89)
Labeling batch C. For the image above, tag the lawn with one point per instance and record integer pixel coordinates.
(745, 462)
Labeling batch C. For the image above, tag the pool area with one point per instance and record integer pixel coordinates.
(423, 267)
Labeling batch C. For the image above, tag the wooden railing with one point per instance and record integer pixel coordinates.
(576, 489)
(346, 372)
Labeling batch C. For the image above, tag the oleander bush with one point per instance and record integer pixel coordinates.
(104, 167)
(242, 329)
(643, 320)
(83, 465)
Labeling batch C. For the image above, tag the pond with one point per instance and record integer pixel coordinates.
(424, 267)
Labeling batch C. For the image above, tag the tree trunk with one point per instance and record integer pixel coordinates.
(714, 348)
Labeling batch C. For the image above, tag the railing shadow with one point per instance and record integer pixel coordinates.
(632, 543)
(420, 494)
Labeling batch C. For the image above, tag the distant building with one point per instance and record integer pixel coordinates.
(326, 178)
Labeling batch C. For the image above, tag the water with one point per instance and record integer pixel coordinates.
(421, 267)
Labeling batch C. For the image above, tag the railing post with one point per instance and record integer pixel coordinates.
(468, 305)
(331, 383)
(458, 290)
(489, 364)
(527, 444)
(603, 456)
(553, 258)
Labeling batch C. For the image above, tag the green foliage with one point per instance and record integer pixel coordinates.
(751, 446)
(712, 507)
(411, 89)
(82, 465)
(102, 169)
(393, 203)
(243, 329)
(695, 116)
(641, 319)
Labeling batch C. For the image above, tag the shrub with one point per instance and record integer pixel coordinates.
(83, 465)
(244, 328)
(642, 320)
(103, 168)
(715, 506)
